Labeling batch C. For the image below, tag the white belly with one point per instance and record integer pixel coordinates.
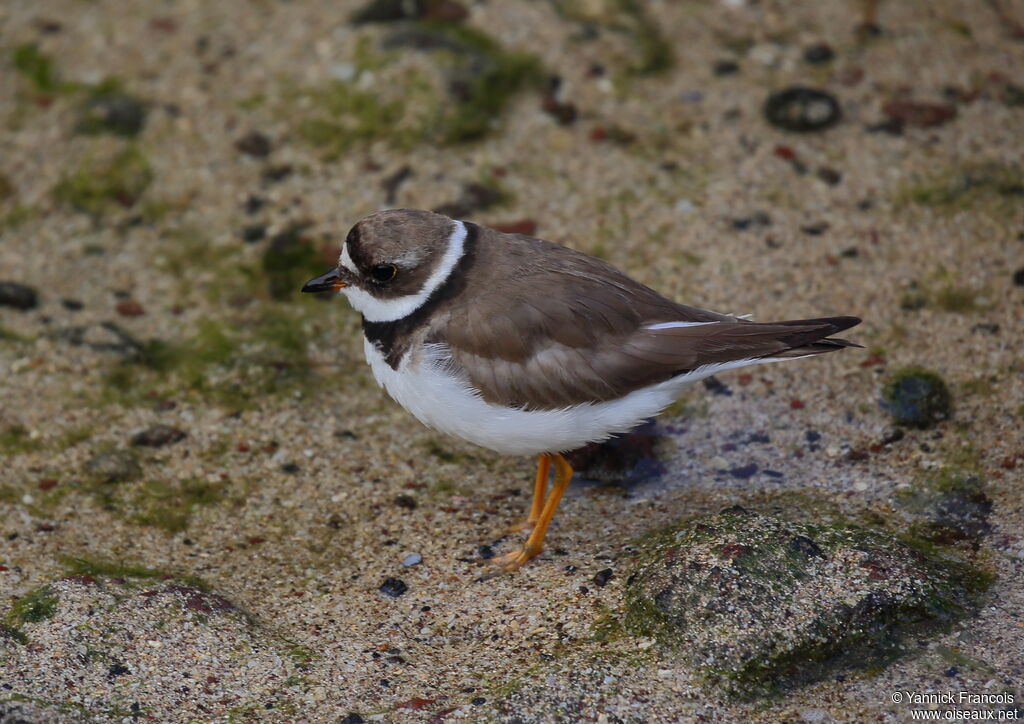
(443, 401)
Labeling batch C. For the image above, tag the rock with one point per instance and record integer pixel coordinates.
(19, 296)
(917, 397)
(253, 233)
(818, 53)
(139, 635)
(602, 577)
(112, 112)
(949, 507)
(1018, 277)
(413, 559)
(919, 114)
(158, 436)
(475, 197)
(129, 308)
(802, 110)
(254, 144)
(725, 67)
(113, 466)
(393, 587)
(756, 604)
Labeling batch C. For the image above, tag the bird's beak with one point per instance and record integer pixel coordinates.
(329, 282)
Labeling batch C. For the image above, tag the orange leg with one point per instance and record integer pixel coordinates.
(535, 543)
(540, 487)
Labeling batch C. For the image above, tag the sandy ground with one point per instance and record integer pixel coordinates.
(285, 491)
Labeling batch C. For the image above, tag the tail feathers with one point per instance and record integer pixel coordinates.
(813, 337)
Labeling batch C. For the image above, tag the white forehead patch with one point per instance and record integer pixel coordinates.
(390, 310)
(346, 261)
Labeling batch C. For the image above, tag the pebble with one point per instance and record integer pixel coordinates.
(725, 67)
(19, 296)
(919, 114)
(119, 114)
(802, 110)
(819, 53)
(602, 577)
(1018, 277)
(413, 559)
(129, 308)
(393, 587)
(158, 436)
(254, 144)
(114, 466)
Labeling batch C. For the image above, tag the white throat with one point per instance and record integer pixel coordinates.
(390, 310)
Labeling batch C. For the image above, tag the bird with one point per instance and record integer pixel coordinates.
(528, 347)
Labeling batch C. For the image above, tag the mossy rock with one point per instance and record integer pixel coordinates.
(917, 397)
(948, 507)
(758, 605)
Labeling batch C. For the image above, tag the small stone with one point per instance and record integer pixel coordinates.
(725, 67)
(413, 559)
(117, 670)
(129, 308)
(254, 144)
(602, 577)
(72, 305)
(918, 113)
(116, 113)
(290, 468)
(115, 466)
(19, 296)
(485, 552)
(1018, 277)
(351, 718)
(829, 175)
(917, 397)
(393, 587)
(255, 232)
(478, 701)
(716, 387)
(818, 53)
(406, 501)
(744, 472)
(253, 204)
(802, 110)
(158, 436)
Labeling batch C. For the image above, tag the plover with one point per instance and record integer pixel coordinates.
(527, 347)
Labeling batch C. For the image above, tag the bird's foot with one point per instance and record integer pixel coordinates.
(514, 559)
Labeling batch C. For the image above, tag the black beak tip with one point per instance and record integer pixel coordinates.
(323, 283)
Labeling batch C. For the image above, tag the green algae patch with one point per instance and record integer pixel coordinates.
(39, 70)
(75, 566)
(348, 116)
(100, 184)
(648, 52)
(484, 78)
(999, 183)
(758, 605)
(461, 99)
(33, 607)
(234, 364)
(947, 507)
(917, 397)
(170, 506)
(16, 439)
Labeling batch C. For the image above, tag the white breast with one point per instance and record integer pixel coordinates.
(444, 401)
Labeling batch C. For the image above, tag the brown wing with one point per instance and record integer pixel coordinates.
(546, 327)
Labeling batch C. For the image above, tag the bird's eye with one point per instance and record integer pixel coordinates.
(383, 272)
